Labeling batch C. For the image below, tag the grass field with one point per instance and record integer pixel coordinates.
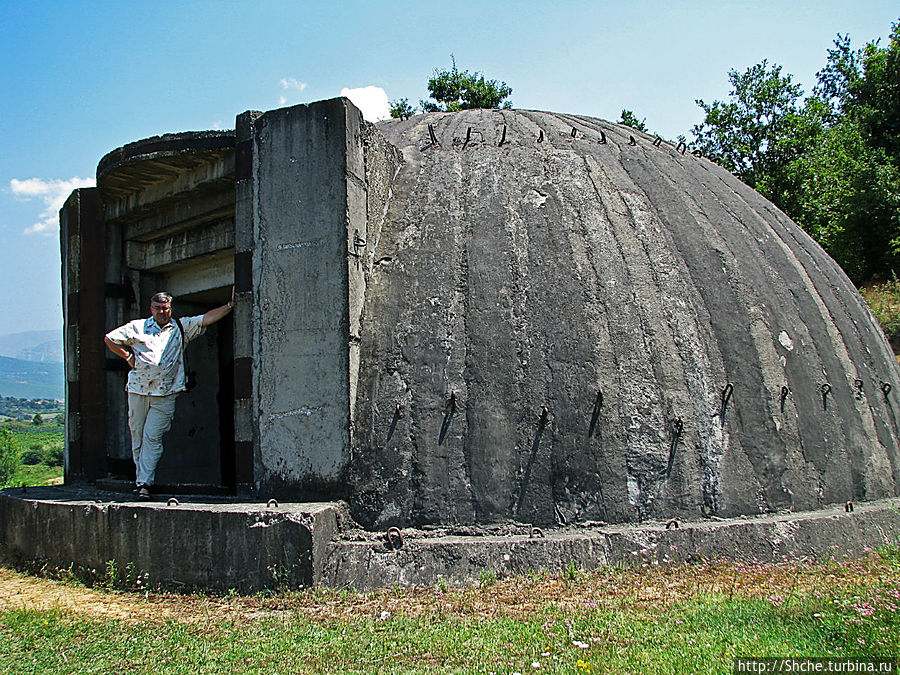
(656, 619)
(40, 453)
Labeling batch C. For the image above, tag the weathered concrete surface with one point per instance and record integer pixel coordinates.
(529, 260)
(317, 180)
(365, 561)
(212, 543)
(206, 544)
(491, 317)
(300, 216)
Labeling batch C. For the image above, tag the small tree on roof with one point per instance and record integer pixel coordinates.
(453, 90)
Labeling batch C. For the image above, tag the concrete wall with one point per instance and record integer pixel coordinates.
(161, 218)
(307, 210)
(528, 261)
(182, 546)
(498, 315)
(83, 252)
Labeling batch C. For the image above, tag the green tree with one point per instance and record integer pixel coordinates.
(9, 456)
(629, 119)
(831, 161)
(401, 109)
(453, 90)
(743, 134)
(874, 95)
(37, 420)
(846, 197)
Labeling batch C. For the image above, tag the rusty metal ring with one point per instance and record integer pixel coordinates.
(390, 540)
(272, 504)
(172, 502)
(536, 532)
(671, 523)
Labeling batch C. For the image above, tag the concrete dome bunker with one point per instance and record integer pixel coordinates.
(481, 317)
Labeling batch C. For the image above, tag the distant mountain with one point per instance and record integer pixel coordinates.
(44, 346)
(28, 379)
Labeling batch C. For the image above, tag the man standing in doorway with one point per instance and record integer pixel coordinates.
(154, 349)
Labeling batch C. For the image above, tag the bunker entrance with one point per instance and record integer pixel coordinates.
(199, 448)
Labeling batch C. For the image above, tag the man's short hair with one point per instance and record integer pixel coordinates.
(162, 296)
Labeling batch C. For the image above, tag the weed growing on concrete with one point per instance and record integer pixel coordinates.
(487, 577)
(572, 571)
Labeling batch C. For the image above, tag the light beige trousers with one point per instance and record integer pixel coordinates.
(149, 417)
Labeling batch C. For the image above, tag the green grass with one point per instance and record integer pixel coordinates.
(884, 301)
(667, 619)
(36, 474)
(40, 452)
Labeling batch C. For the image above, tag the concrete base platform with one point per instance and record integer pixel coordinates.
(184, 542)
(217, 543)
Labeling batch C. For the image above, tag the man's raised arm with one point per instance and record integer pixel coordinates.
(214, 315)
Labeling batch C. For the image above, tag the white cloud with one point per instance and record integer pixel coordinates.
(372, 101)
(53, 193)
(292, 83)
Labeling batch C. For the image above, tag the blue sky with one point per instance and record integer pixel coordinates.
(82, 78)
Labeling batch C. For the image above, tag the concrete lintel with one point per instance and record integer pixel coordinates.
(180, 214)
(199, 177)
(180, 246)
(200, 274)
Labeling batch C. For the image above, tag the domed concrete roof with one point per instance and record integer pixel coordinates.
(567, 320)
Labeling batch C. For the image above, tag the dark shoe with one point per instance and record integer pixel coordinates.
(143, 493)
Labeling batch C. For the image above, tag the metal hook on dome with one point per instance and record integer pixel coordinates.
(393, 534)
(726, 397)
(631, 141)
(784, 394)
(541, 136)
(681, 147)
(503, 137)
(885, 389)
(574, 132)
(826, 389)
(602, 138)
(449, 411)
(657, 142)
(677, 430)
(398, 414)
(598, 404)
(545, 416)
(431, 133)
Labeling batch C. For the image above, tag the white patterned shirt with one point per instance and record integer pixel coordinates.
(158, 364)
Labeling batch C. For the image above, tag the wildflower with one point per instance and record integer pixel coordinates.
(580, 644)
